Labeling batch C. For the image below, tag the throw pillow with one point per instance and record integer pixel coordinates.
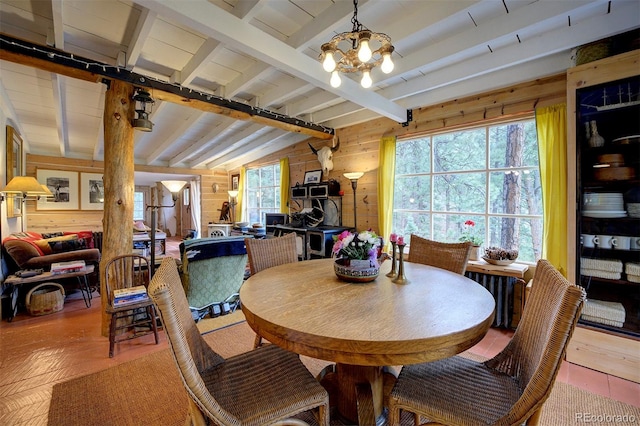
(48, 235)
(66, 243)
(44, 246)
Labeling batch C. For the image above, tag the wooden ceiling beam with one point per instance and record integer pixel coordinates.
(63, 63)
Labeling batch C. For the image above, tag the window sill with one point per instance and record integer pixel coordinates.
(516, 269)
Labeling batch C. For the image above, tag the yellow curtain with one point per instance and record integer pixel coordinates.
(551, 125)
(386, 174)
(239, 210)
(284, 185)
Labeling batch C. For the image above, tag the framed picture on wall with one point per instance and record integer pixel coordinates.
(14, 168)
(64, 187)
(235, 182)
(313, 176)
(91, 191)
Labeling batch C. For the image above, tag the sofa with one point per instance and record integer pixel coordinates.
(213, 270)
(33, 250)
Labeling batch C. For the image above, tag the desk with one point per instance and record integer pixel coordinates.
(303, 307)
(15, 282)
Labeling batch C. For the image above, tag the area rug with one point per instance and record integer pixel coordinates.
(207, 325)
(148, 391)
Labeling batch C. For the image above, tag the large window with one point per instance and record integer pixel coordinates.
(262, 191)
(485, 174)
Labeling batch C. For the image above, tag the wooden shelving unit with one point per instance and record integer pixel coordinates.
(605, 91)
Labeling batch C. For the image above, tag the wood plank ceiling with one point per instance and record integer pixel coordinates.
(264, 54)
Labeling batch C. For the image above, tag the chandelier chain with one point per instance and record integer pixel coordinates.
(357, 26)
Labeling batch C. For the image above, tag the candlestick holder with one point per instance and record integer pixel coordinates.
(401, 278)
(392, 273)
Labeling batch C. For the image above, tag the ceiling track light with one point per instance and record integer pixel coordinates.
(359, 57)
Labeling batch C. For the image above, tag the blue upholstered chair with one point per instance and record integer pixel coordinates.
(212, 272)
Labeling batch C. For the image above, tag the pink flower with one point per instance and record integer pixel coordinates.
(400, 240)
(470, 223)
(393, 238)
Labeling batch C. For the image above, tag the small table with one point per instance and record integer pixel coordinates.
(15, 282)
(304, 308)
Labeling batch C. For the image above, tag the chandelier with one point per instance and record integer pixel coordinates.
(360, 57)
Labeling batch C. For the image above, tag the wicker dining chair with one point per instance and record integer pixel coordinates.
(267, 385)
(133, 319)
(270, 252)
(450, 256)
(510, 388)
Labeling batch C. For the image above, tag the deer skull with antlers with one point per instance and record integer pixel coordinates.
(325, 155)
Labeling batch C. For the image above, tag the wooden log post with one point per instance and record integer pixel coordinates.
(118, 181)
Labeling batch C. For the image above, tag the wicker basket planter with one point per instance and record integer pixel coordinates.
(41, 300)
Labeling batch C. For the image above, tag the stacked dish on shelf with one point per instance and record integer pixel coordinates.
(603, 205)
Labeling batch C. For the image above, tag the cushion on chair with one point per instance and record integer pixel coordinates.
(213, 269)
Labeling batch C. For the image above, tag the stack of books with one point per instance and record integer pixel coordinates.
(67, 267)
(129, 296)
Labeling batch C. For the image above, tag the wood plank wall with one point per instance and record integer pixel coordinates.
(359, 151)
(75, 220)
(359, 144)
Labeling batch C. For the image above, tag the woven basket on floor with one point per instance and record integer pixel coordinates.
(44, 301)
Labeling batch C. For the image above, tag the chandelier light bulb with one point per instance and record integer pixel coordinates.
(366, 79)
(387, 63)
(364, 52)
(335, 79)
(329, 64)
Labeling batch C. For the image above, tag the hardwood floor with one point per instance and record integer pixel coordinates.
(38, 352)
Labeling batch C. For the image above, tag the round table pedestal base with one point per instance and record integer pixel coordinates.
(358, 392)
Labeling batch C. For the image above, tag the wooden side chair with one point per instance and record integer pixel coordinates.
(450, 256)
(264, 386)
(270, 252)
(510, 388)
(135, 319)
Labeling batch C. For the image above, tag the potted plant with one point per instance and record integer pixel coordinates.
(357, 256)
(470, 234)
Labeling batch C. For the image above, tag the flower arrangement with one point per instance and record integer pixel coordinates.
(362, 245)
(469, 233)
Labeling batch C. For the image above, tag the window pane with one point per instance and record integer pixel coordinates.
(407, 223)
(138, 205)
(413, 156)
(523, 234)
(464, 192)
(412, 193)
(267, 176)
(464, 150)
(516, 192)
(513, 145)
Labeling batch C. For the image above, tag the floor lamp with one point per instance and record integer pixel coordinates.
(174, 186)
(353, 177)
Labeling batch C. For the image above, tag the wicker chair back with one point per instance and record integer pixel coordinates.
(450, 256)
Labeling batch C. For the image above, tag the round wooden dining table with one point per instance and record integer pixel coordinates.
(364, 328)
